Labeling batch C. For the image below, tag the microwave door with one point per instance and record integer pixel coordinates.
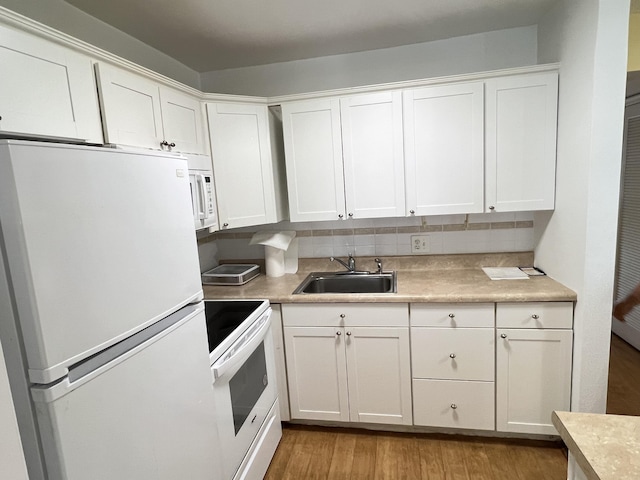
(196, 200)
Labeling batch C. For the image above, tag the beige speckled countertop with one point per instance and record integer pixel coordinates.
(605, 446)
(442, 278)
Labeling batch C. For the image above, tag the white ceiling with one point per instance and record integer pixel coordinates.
(210, 35)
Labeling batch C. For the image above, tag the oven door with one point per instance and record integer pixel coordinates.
(244, 389)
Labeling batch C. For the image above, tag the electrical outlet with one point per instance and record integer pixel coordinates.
(419, 243)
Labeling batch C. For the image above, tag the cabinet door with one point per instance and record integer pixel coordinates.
(521, 116)
(182, 121)
(379, 375)
(242, 164)
(130, 108)
(313, 156)
(46, 89)
(444, 149)
(533, 378)
(373, 155)
(317, 374)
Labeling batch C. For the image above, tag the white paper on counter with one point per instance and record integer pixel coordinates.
(505, 273)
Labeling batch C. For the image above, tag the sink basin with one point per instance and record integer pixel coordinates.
(360, 282)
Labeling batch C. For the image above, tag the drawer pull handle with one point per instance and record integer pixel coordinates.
(452, 355)
(338, 333)
(503, 335)
(451, 315)
(454, 406)
(535, 316)
(342, 315)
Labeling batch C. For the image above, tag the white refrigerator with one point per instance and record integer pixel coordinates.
(101, 314)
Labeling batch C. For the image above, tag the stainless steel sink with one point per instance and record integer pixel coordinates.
(356, 282)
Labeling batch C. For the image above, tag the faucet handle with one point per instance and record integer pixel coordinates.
(379, 263)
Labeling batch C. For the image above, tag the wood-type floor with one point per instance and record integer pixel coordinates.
(624, 378)
(338, 453)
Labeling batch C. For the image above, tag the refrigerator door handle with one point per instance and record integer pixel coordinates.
(241, 350)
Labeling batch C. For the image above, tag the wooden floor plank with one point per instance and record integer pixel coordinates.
(431, 466)
(343, 456)
(476, 461)
(502, 467)
(453, 461)
(364, 457)
(624, 378)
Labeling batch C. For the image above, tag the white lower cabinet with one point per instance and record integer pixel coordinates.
(533, 365)
(281, 369)
(340, 370)
(453, 369)
(533, 378)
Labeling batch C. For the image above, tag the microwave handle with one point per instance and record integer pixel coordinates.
(243, 350)
(202, 208)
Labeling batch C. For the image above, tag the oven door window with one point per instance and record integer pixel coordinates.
(247, 385)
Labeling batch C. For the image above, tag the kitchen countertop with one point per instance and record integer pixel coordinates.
(443, 278)
(604, 446)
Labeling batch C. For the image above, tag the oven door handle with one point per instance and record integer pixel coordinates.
(242, 350)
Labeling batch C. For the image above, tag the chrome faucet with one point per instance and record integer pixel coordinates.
(351, 265)
(379, 264)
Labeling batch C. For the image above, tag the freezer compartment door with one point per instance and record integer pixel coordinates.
(149, 416)
(100, 244)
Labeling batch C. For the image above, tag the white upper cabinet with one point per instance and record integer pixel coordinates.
(139, 112)
(313, 155)
(521, 123)
(46, 89)
(242, 164)
(345, 157)
(444, 150)
(373, 155)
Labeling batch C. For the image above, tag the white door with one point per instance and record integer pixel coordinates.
(147, 414)
(317, 373)
(46, 89)
(379, 375)
(521, 124)
(242, 164)
(533, 378)
(182, 121)
(100, 244)
(444, 149)
(313, 156)
(373, 155)
(131, 110)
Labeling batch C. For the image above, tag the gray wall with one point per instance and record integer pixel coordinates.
(514, 47)
(72, 21)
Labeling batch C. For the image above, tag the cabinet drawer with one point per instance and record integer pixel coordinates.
(457, 354)
(454, 404)
(346, 315)
(452, 315)
(534, 315)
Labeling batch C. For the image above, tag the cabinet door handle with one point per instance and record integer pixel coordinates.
(452, 355)
(412, 212)
(492, 208)
(535, 316)
(454, 406)
(342, 315)
(351, 215)
(503, 335)
(340, 215)
(338, 333)
(225, 224)
(451, 315)
(348, 334)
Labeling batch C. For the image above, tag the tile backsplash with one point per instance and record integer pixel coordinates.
(447, 234)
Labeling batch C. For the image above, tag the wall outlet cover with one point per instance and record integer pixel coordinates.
(420, 244)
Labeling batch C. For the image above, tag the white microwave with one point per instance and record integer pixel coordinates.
(203, 196)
